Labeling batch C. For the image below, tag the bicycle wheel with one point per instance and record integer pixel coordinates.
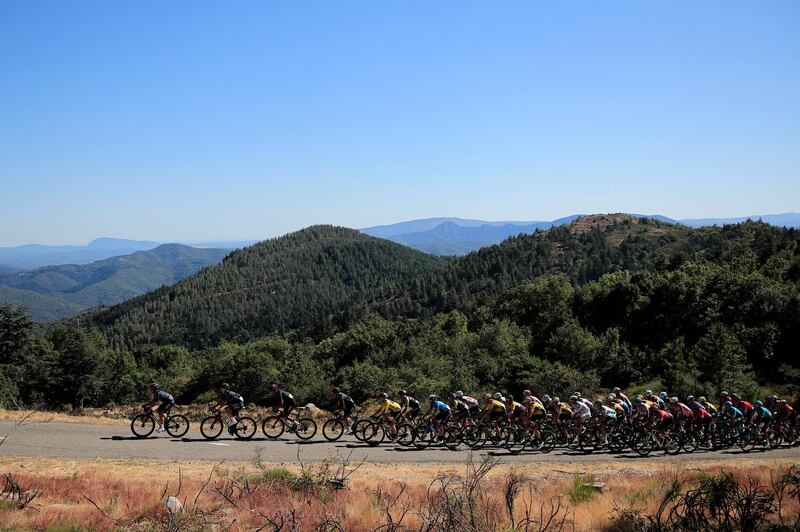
(452, 439)
(424, 437)
(473, 436)
(374, 433)
(358, 428)
(548, 441)
(211, 427)
(273, 427)
(245, 428)
(307, 428)
(177, 425)
(405, 435)
(143, 425)
(333, 429)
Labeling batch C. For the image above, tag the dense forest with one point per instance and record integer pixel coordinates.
(605, 301)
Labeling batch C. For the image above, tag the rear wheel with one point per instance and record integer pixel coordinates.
(333, 429)
(373, 433)
(358, 428)
(143, 425)
(245, 428)
(405, 435)
(177, 426)
(307, 428)
(452, 439)
(211, 427)
(273, 427)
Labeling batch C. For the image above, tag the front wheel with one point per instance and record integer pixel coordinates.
(333, 429)
(143, 425)
(211, 427)
(177, 426)
(405, 435)
(245, 428)
(273, 427)
(307, 428)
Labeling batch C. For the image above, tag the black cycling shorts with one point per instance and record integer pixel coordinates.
(348, 409)
(442, 416)
(497, 414)
(235, 407)
(164, 408)
(474, 411)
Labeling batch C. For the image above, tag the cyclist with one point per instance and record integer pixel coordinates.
(607, 417)
(229, 404)
(683, 414)
(411, 407)
(285, 402)
(472, 404)
(439, 415)
(345, 403)
(163, 399)
(535, 414)
(731, 411)
(702, 417)
(514, 410)
(708, 406)
(389, 410)
(562, 413)
(582, 413)
(494, 411)
(761, 416)
(784, 412)
(661, 420)
(745, 406)
(618, 393)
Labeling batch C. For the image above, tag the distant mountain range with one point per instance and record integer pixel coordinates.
(57, 291)
(458, 236)
(31, 256)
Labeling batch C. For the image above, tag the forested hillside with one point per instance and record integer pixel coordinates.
(583, 251)
(54, 292)
(295, 282)
(606, 301)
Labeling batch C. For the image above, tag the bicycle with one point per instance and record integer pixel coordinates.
(144, 424)
(211, 427)
(303, 427)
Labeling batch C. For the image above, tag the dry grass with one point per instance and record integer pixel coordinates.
(113, 494)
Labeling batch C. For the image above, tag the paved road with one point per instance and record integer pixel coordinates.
(72, 440)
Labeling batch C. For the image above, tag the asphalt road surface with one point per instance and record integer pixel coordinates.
(73, 440)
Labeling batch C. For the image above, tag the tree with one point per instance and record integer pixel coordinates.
(722, 362)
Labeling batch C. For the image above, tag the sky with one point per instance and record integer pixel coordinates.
(181, 121)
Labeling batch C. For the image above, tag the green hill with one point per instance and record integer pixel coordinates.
(298, 281)
(57, 291)
(583, 250)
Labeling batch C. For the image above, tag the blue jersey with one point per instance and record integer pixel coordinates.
(439, 406)
(163, 397)
(763, 412)
(735, 412)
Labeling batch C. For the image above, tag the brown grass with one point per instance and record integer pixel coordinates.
(112, 494)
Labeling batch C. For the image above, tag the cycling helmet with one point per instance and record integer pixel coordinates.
(616, 389)
(546, 398)
(401, 393)
(690, 398)
(662, 394)
(637, 399)
(459, 394)
(612, 396)
(498, 395)
(577, 394)
(509, 398)
(526, 393)
(648, 392)
(735, 396)
(573, 399)
(727, 403)
(273, 386)
(224, 386)
(598, 403)
(335, 389)
(487, 396)
(758, 403)
(701, 399)
(432, 397)
(723, 394)
(383, 395)
(153, 386)
(673, 399)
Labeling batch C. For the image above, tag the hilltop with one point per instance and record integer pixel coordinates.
(57, 291)
(458, 236)
(295, 282)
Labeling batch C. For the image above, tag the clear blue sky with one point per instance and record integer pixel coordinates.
(222, 120)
